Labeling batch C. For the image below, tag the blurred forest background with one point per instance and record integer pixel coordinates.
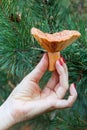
(19, 53)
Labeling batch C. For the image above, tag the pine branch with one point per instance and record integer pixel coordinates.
(19, 53)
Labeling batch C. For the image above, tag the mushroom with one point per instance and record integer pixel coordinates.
(54, 43)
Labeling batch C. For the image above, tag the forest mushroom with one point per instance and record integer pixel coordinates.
(54, 43)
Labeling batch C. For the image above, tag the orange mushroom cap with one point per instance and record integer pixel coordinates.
(57, 41)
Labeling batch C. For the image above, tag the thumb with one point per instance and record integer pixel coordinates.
(40, 69)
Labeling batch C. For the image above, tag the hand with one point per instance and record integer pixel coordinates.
(28, 100)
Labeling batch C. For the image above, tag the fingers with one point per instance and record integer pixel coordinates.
(50, 85)
(70, 101)
(64, 66)
(62, 87)
(39, 70)
(53, 81)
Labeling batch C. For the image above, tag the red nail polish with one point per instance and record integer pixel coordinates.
(63, 60)
(75, 85)
(61, 55)
(60, 62)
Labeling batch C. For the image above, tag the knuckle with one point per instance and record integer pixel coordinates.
(70, 105)
(66, 88)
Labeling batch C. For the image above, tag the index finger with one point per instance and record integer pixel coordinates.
(39, 70)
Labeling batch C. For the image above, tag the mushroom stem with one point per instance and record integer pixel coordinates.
(53, 57)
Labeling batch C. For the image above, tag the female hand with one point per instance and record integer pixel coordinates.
(28, 100)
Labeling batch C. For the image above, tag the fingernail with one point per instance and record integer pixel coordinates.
(60, 62)
(75, 85)
(63, 59)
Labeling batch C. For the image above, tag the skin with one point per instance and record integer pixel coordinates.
(27, 100)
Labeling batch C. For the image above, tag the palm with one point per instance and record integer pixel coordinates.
(34, 92)
(28, 100)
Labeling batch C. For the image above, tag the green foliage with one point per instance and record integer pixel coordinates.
(19, 53)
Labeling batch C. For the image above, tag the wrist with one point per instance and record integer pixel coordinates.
(6, 121)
